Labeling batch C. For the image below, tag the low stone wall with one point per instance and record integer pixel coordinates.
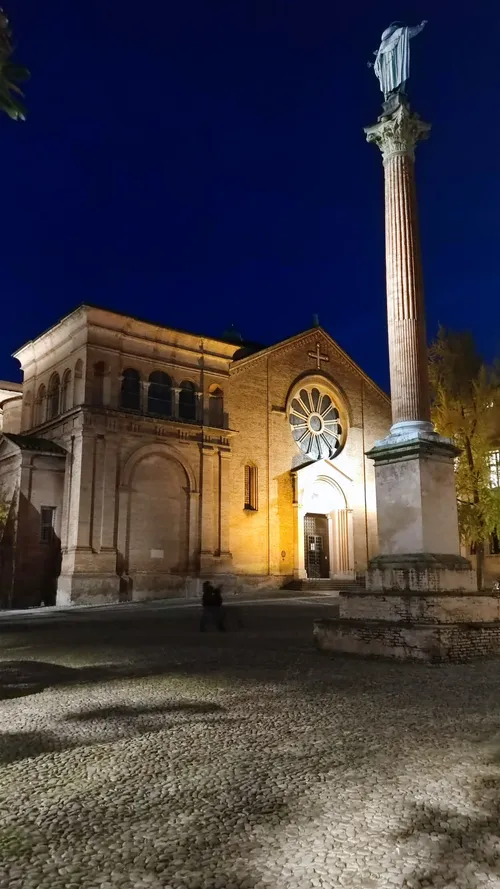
(439, 608)
(426, 643)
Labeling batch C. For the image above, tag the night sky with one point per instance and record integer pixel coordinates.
(202, 164)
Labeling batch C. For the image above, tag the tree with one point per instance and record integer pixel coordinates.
(466, 408)
(10, 74)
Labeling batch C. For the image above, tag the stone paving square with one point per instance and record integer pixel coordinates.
(137, 753)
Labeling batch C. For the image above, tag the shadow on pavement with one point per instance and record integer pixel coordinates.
(458, 845)
(20, 678)
(129, 712)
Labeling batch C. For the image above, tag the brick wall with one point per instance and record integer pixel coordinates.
(447, 608)
(434, 644)
(259, 389)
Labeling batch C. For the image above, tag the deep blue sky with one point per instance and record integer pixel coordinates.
(202, 163)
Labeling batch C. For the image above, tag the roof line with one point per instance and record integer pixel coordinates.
(11, 387)
(88, 305)
(254, 357)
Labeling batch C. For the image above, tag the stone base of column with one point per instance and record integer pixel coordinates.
(416, 512)
(421, 601)
(411, 640)
(420, 573)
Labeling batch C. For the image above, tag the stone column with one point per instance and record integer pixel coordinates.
(396, 136)
(414, 466)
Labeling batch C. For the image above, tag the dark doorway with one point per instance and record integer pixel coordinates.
(316, 545)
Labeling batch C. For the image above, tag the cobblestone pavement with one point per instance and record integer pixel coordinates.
(136, 752)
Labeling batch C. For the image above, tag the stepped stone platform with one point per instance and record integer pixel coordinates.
(407, 625)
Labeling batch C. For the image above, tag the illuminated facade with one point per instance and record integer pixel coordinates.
(144, 459)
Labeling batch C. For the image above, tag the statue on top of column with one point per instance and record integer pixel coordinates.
(392, 63)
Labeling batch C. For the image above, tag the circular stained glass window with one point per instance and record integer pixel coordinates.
(315, 423)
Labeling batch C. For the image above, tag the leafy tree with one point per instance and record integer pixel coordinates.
(10, 74)
(466, 408)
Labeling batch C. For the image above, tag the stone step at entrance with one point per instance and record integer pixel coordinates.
(326, 585)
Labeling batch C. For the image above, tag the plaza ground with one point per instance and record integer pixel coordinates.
(137, 752)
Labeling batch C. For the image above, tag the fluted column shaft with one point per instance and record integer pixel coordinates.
(396, 136)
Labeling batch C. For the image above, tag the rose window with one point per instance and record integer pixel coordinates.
(315, 424)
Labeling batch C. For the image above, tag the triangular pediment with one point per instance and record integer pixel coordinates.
(316, 340)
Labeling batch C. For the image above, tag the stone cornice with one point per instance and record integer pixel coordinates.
(142, 424)
(50, 340)
(392, 450)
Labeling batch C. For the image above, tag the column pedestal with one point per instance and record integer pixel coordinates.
(417, 516)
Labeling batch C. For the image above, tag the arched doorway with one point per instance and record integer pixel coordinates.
(316, 546)
(324, 545)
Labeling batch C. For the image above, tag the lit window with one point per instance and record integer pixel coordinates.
(495, 469)
(251, 487)
(47, 516)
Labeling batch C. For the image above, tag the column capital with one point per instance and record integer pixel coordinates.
(398, 133)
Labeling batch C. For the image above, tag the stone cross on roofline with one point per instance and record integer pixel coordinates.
(318, 356)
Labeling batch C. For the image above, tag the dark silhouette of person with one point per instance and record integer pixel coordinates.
(212, 610)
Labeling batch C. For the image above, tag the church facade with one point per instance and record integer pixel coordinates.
(137, 460)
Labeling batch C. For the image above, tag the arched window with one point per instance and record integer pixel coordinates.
(187, 401)
(131, 389)
(97, 394)
(160, 394)
(40, 405)
(53, 397)
(66, 391)
(79, 384)
(215, 407)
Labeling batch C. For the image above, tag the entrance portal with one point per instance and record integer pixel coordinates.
(316, 545)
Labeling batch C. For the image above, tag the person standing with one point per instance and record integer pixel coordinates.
(212, 609)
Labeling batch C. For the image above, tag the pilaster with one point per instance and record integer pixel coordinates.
(224, 506)
(88, 570)
(208, 526)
